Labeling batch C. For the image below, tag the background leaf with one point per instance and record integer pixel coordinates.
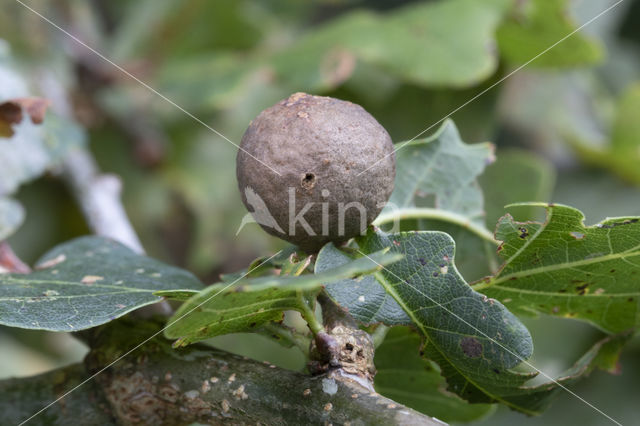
(560, 267)
(84, 283)
(425, 31)
(33, 148)
(622, 155)
(516, 176)
(333, 53)
(538, 24)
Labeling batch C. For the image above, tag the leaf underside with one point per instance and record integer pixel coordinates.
(437, 189)
(441, 171)
(366, 300)
(474, 340)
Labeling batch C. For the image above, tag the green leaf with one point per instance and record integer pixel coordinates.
(459, 33)
(436, 179)
(267, 265)
(216, 311)
(247, 303)
(625, 138)
(11, 217)
(366, 300)
(563, 268)
(622, 156)
(475, 257)
(516, 176)
(84, 283)
(354, 268)
(280, 264)
(285, 336)
(180, 295)
(502, 184)
(437, 189)
(411, 380)
(602, 355)
(537, 25)
(533, 400)
(475, 340)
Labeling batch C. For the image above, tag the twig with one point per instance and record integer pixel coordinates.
(196, 384)
(99, 197)
(97, 194)
(343, 348)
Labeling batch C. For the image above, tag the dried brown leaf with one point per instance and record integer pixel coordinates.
(11, 112)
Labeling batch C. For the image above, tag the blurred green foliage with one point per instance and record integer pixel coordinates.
(571, 114)
(539, 24)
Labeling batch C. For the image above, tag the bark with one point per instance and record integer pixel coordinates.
(342, 346)
(157, 384)
(22, 397)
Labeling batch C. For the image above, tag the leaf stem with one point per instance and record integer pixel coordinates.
(379, 335)
(435, 214)
(290, 336)
(309, 314)
(480, 285)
